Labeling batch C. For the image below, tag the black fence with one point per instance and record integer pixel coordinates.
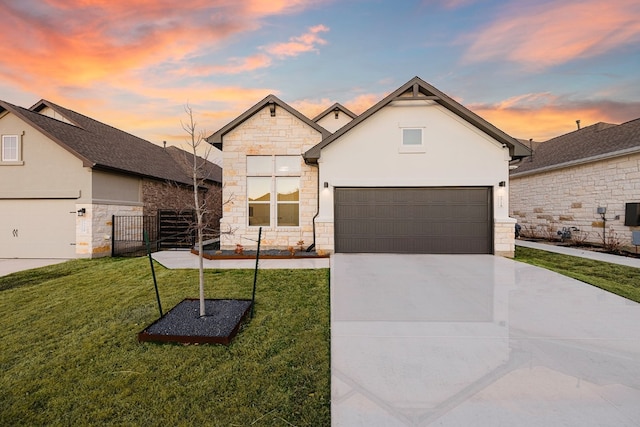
(128, 235)
(168, 230)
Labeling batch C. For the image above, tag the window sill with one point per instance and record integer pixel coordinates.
(18, 163)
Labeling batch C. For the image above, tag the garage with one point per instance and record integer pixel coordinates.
(426, 220)
(38, 228)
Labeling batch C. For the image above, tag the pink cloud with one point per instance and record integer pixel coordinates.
(307, 42)
(78, 42)
(542, 116)
(541, 35)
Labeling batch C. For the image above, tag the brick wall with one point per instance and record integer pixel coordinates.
(163, 195)
(262, 134)
(544, 203)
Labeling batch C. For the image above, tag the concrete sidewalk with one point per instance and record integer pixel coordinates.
(582, 253)
(185, 259)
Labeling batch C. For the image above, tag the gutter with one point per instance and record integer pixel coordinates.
(313, 221)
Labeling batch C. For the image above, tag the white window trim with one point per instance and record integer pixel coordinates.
(12, 161)
(273, 202)
(414, 148)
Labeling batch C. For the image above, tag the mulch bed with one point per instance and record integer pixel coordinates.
(264, 254)
(183, 324)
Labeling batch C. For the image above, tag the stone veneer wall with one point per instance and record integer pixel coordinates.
(262, 134)
(504, 237)
(93, 230)
(543, 203)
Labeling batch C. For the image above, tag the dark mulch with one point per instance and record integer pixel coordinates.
(183, 324)
(264, 254)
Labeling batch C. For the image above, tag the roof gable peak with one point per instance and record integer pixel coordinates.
(273, 102)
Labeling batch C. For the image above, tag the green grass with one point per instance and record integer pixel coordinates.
(619, 279)
(70, 354)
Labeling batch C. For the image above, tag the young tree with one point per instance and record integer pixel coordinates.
(196, 138)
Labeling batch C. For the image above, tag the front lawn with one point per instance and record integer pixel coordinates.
(70, 354)
(618, 279)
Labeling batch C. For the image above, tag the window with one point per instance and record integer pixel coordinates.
(273, 191)
(10, 148)
(412, 140)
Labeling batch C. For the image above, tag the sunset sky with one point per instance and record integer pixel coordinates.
(532, 68)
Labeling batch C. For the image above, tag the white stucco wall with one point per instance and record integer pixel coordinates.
(456, 154)
(331, 123)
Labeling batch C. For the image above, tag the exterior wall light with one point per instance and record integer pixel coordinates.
(82, 211)
(326, 184)
(502, 184)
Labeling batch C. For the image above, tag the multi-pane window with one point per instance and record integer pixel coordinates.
(10, 148)
(273, 190)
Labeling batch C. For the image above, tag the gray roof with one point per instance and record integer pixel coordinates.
(271, 100)
(337, 106)
(418, 89)
(104, 147)
(591, 143)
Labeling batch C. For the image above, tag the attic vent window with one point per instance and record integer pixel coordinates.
(412, 140)
(10, 148)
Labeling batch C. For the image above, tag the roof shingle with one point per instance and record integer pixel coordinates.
(104, 147)
(589, 143)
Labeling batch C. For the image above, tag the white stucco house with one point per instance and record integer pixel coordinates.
(415, 173)
(65, 175)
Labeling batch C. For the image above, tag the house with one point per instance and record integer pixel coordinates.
(65, 175)
(415, 173)
(586, 182)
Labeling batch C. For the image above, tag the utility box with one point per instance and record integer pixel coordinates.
(632, 214)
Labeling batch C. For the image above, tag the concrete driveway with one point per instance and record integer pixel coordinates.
(478, 340)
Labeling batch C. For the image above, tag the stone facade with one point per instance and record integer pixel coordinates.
(545, 202)
(93, 229)
(262, 134)
(504, 242)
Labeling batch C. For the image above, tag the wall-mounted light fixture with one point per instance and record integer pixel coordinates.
(326, 184)
(272, 108)
(336, 113)
(502, 184)
(82, 211)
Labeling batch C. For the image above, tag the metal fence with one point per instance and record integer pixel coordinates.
(168, 230)
(128, 235)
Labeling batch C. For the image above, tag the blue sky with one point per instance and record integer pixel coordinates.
(529, 67)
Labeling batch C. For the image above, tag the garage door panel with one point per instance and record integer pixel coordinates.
(37, 228)
(413, 220)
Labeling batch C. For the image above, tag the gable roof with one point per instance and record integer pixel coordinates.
(418, 89)
(591, 143)
(101, 146)
(272, 101)
(335, 107)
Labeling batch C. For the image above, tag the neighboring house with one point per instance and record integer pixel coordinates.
(416, 173)
(64, 175)
(574, 181)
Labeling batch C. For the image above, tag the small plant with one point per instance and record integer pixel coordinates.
(300, 245)
(291, 250)
(612, 242)
(239, 249)
(580, 237)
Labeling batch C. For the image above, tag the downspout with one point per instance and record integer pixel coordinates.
(313, 221)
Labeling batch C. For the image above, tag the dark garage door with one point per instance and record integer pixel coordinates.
(449, 220)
